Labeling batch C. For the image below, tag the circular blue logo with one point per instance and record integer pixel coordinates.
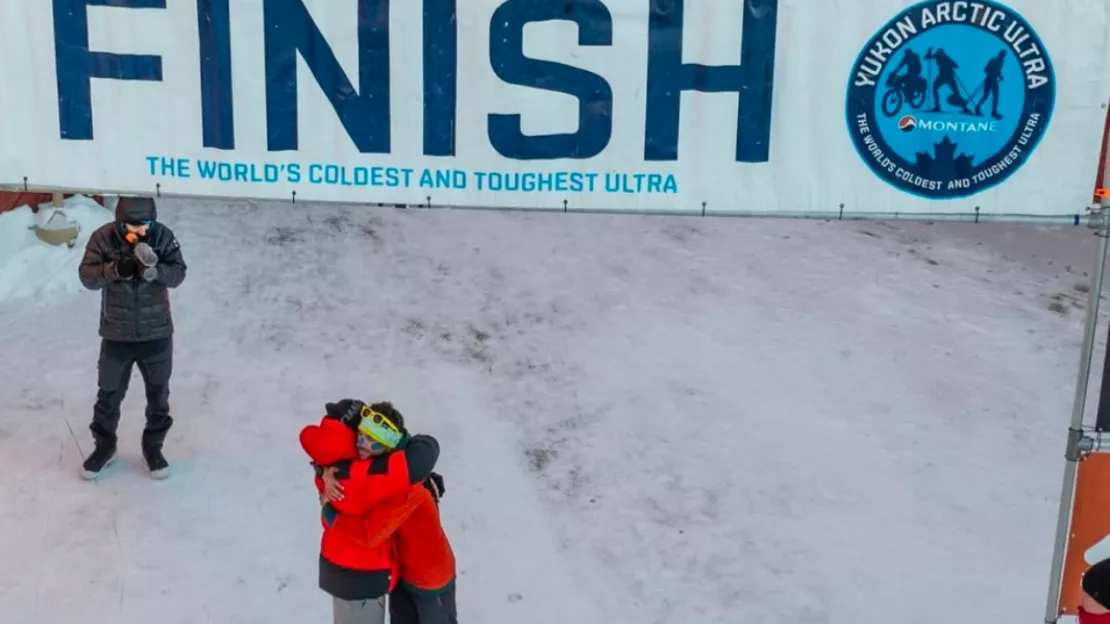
(950, 98)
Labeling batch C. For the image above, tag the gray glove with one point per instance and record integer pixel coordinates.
(145, 255)
(148, 259)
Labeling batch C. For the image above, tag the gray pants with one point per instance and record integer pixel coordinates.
(358, 611)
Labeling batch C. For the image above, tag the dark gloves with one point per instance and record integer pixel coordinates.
(329, 514)
(434, 483)
(126, 267)
(347, 411)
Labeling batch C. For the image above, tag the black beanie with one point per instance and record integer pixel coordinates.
(135, 210)
(1096, 583)
(346, 411)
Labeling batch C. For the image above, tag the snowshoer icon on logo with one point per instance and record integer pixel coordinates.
(917, 105)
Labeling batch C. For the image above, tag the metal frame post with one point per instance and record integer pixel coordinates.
(1102, 413)
(1077, 443)
(1073, 451)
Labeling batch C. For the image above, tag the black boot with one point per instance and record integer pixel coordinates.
(156, 462)
(101, 456)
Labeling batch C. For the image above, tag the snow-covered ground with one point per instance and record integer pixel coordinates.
(644, 420)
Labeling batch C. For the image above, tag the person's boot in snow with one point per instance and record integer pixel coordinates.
(101, 456)
(156, 462)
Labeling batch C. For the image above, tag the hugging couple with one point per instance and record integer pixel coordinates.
(379, 507)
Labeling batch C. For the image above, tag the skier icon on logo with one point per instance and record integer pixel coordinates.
(946, 77)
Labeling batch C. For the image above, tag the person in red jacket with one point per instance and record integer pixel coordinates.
(356, 575)
(425, 592)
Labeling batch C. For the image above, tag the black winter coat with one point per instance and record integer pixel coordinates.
(132, 310)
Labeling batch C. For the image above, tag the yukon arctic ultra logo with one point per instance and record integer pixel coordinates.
(950, 98)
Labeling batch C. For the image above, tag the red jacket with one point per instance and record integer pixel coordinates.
(425, 559)
(350, 568)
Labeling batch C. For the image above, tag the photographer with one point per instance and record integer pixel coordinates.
(133, 262)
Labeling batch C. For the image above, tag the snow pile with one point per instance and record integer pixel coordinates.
(31, 268)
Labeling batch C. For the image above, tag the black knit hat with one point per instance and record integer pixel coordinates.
(136, 210)
(1096, 583)
(346, 411)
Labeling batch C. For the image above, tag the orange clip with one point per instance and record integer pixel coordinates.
(1102, 193)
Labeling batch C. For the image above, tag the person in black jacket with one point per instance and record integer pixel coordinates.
(133, 262)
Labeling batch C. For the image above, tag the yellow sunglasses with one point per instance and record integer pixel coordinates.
(379, 428)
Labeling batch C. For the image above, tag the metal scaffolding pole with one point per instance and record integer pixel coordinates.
(1077, 443)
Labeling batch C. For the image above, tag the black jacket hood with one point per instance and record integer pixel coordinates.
(136, 209)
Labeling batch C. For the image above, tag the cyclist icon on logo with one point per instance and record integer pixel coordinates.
(905, 86)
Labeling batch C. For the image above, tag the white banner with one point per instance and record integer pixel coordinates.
(775, 107)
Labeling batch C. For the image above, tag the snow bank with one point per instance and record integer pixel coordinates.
(32, 269)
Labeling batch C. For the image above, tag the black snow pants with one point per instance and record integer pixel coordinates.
(410, 607)
(155, 361)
